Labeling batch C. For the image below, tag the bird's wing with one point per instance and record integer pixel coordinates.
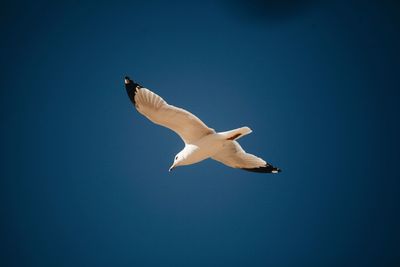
(185, 124)
(234, 156)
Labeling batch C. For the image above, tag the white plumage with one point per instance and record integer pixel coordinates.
(234, 156)
(185, 124)
(201, 142)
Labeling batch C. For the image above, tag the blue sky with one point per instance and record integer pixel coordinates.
(84, 177)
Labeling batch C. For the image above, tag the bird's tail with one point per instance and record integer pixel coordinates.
(235, 134)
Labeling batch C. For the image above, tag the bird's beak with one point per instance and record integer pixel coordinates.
(171, 168)
(127, 81)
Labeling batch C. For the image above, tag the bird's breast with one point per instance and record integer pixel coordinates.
(205, 148)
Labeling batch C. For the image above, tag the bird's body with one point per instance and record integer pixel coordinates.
(208, 146)
(201, 142)
(202, 149)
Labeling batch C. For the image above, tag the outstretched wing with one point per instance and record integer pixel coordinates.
(185, 124)
(234, 156)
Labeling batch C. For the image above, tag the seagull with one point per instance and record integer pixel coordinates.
(201, 142)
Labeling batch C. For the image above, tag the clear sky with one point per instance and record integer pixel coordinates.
(84, 178)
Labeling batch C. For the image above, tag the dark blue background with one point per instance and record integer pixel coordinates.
(84, 177)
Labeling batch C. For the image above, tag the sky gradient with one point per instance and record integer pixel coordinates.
(84, 177)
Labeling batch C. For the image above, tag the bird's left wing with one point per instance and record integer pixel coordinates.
(234, 156)
(185, 124)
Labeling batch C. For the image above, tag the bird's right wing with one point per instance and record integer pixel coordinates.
(234, 156)
(185, 124)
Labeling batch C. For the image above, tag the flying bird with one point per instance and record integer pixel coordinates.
(201, 142)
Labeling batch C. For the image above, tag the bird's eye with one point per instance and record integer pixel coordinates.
(176, 157)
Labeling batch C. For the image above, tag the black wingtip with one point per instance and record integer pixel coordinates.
(264, 169)
(130, 87)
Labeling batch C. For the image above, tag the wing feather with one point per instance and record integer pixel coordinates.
(189, 127)
(233, 155)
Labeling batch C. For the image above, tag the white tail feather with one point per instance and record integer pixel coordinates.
(236, 133)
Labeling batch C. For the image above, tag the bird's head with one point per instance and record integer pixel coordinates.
(178, 160)
(184, 157)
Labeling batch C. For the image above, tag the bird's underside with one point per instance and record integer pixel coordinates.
(234, 156)
(191, 129)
